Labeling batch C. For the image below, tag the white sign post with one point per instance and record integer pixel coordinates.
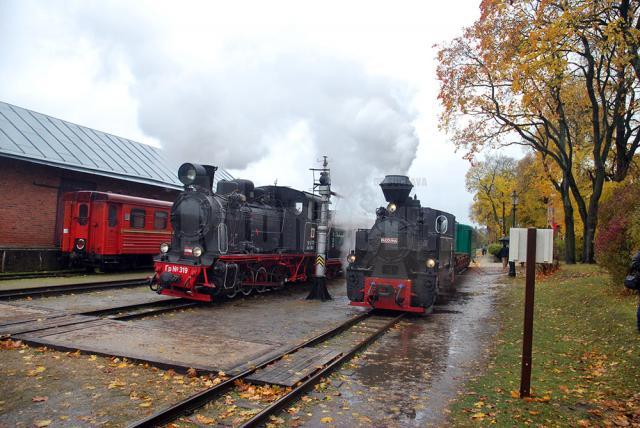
(531, 246)
(518, 245)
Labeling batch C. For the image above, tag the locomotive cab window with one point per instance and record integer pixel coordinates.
(113, 215)
(160, 220)
(83, 214)
(138, 218)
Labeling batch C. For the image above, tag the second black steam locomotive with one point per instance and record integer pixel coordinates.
(239, 238)
(407, 258)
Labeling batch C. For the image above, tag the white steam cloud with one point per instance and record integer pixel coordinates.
(273, 117)
(264, 108)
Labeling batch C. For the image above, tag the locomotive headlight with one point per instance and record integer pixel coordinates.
(80, 243)
(189, 172)
(197, 251)
(391, 207)
(430, 263)
(164, 248)
(351, 258)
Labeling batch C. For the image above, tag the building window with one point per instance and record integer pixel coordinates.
(138, 218)
(113, 215)
(83, 214)
(160, 220)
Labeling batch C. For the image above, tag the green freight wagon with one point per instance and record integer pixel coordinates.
(463, 250)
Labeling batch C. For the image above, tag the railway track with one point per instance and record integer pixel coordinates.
(52, 290)
(139, 310)
(45, 274)
(121, 313)
(332, 348)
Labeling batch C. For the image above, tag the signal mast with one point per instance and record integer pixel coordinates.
(323, 187)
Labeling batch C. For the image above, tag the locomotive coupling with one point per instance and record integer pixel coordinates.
(167, 278)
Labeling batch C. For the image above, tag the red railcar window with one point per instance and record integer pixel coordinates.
(160, 220)
(138, 217)
(83, 214)
(113, 215)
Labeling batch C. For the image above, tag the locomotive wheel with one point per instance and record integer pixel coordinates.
(277, 274)
(246, 290)
(233, 292)
(262, 289)
(262, 276)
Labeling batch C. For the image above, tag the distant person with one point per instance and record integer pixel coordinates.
(632, 282)
(484, 251)
(503, 255)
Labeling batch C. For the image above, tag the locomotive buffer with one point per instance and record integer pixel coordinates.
(319, 287)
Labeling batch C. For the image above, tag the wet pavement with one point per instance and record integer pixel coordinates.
(91, 301)
(214, 337)
(408, 376)
(10, 284)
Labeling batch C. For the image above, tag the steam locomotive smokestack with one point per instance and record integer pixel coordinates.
(396, 188)
(319, 289)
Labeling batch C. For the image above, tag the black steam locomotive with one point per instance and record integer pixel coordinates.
(239, 238)
(406, 258)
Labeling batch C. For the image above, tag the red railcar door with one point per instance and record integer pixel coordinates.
(114, 225)
(81, 222)
(68, 227)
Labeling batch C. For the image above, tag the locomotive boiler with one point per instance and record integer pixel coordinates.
(407, 258)
(239, 239)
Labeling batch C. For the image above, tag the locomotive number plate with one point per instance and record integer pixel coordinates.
(389, 240)
(176, 269)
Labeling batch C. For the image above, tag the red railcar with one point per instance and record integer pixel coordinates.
(111, 230)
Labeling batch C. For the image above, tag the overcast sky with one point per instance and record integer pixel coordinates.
(262, 89)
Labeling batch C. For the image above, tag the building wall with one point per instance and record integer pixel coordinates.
(31, 201)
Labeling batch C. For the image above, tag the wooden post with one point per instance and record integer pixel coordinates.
(527, 339)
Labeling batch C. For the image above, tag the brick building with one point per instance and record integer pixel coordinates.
(42, 157)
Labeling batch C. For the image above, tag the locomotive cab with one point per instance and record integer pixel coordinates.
(403, 261)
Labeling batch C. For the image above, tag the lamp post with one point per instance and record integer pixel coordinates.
(514, 201)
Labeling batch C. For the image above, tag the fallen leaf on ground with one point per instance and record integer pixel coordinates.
(10, 344)
(326, 420)
(39, 399)
(192, 372)
(276, 420)
(145, 404)
(117, 384)
(205, 420)
(43, 423)
(36, 371)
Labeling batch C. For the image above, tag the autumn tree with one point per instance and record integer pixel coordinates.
(491, 181)
(557, 76)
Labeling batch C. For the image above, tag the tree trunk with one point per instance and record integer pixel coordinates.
(569, 239)
(591, 222)
(590, 225)
(570, 233)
